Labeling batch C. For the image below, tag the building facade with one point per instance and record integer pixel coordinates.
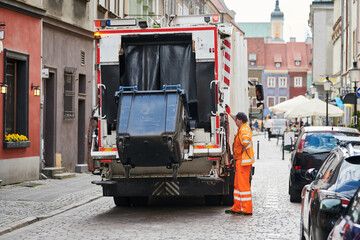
(20, 70)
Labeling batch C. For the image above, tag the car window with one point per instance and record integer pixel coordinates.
(328, 168)
(349, 173)
(354, 209)
(320, 142)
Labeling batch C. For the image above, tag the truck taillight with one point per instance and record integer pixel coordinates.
(301, 144)
(105, 160)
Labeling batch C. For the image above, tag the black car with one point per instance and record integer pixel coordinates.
(337, 179)
(348, 226)
(311, 148)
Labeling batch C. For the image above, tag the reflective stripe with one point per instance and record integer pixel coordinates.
(242, 199)
(244, 193)
(248, 160)
(246, 199)
(236, 191)
(249, 146)
(246, 141)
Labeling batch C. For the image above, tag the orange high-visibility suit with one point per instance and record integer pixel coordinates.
(244, 157)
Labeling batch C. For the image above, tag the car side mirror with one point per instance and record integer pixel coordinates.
(311, 174)
(331, 205)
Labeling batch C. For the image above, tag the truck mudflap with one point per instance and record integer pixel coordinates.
(189, 186)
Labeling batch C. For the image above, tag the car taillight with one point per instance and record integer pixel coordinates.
(301, 144)
(297, 167)
(345, 202)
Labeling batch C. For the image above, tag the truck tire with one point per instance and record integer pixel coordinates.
(228, 200)
(139, 201)
(122, 201)
(212, 200)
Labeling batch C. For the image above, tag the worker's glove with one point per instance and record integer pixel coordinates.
(227, 108)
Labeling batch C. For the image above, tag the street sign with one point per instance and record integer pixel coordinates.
(358, 92)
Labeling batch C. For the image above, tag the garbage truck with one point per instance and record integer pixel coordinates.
(159, 126)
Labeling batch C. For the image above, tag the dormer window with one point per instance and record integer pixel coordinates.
(297, 59)
(252, 59)
(277, 60)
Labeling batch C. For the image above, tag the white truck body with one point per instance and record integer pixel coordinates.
(205, 149)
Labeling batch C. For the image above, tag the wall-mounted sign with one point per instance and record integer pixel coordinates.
(2, 34)
(45, 73)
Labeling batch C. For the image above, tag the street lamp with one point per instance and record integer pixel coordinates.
(354, 77)
(327, 87)
(313, 90)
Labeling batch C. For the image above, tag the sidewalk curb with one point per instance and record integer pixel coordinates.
(29, 220)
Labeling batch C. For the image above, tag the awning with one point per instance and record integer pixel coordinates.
(339, 102)
(349, 98)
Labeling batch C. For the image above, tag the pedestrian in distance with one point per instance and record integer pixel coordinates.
(269, 125)
(244, 158)
(256, 125)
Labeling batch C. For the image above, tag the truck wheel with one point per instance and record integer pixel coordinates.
(139, 201)
(212, 200)
(122, 201)
(228, 200)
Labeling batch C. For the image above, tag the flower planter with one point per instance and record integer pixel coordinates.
(23, 144)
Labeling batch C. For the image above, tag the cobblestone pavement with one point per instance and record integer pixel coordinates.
(274, 217)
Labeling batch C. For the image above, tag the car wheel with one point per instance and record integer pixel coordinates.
(295, 196)
(302, 236)
(311, 232)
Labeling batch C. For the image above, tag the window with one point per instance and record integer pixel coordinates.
(197, 11)
(111, 5)
(271, 82)
(282, 99)
(185, 10)
(252, 59)
(298, 81)
(180, 11)
(82, 84)
(270, 101)
(69, 102)
(282, 82)
(16, 105)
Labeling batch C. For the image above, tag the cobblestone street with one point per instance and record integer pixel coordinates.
(274, 217)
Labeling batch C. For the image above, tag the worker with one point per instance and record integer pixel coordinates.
(244, 158)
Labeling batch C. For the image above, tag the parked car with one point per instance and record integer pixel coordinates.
(311, 148)
(278, 127)
(348, 225)
(337, 179)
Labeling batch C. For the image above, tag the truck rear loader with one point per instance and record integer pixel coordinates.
(159, 127)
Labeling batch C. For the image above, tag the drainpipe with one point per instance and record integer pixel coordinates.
(41, 105)
(342, 45)
(357, 30)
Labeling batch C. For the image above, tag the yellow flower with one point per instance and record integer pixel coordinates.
(15, 138)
